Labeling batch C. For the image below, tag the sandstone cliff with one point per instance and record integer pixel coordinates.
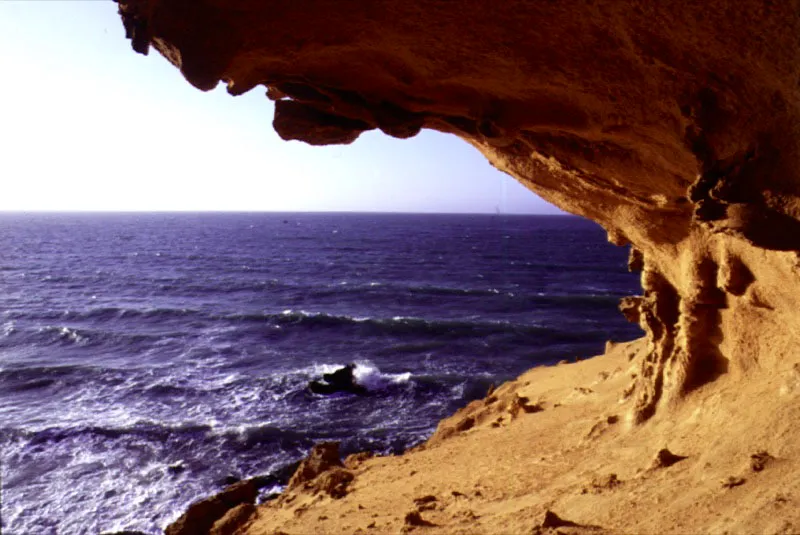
(674, 124)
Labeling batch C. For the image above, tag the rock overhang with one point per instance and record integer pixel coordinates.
(673, 124)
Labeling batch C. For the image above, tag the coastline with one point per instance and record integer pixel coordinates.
(551, 451)
(683, 147)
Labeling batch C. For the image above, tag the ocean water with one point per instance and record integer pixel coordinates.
(146, 359)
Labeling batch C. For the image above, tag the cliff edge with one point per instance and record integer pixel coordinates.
(673, 124)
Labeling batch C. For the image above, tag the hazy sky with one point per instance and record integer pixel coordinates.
(87, 124)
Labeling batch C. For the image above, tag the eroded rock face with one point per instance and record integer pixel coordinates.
(322, 471)
(673, 124)
(203, 516)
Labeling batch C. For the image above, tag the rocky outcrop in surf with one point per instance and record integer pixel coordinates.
(218, 513)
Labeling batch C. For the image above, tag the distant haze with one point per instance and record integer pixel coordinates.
(87, 124)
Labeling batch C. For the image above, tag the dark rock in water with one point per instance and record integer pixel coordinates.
(227, 511)
(202, 515)
(176, 468)
(341, 380)
(319, 387)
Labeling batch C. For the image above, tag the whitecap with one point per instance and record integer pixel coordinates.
(370, 376)
(71, 334)
(320, 369)
(366, 374)
(9, 328)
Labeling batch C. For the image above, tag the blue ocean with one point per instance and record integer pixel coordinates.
(147, 360)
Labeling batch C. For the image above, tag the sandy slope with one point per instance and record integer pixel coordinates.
(579, 458)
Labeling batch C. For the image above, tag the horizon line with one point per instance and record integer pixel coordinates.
(212, 211)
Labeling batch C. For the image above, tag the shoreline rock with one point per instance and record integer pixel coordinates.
(202, 515)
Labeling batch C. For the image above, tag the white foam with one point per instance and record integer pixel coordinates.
(301, 312)
(366, 374)
(319, 369)
(9, 328)
(69, 334)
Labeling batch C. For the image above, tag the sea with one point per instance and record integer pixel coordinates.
(147, 360)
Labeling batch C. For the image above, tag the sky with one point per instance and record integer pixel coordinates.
(87, 124)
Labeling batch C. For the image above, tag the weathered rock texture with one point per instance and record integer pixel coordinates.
(674, 124)
(321, 471)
